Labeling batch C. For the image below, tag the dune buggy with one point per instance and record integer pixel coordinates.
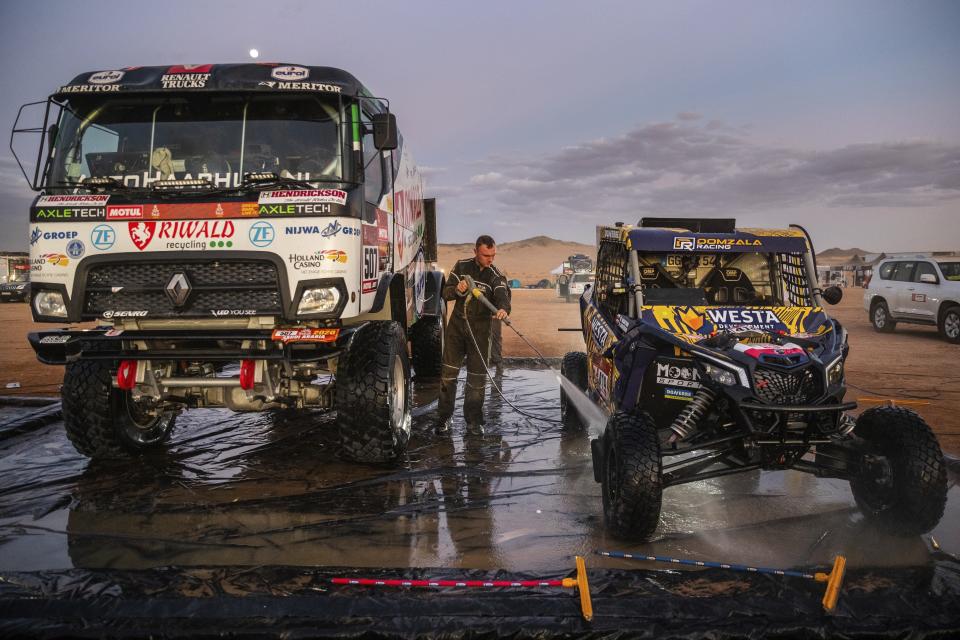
(710, 351)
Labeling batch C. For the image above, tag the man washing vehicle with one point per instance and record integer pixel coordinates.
(468, 331)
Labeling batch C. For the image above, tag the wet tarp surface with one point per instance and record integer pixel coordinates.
(238, 527)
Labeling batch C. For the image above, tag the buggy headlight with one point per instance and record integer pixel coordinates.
(318, 300)
(50, 303)
(719, 375)
(835, 372)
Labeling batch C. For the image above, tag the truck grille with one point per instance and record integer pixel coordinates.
(215, 285)
(786, 388)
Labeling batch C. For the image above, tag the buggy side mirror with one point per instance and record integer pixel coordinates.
(832, 294)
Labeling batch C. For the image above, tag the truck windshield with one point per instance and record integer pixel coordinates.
(220, 139)
(735, 279)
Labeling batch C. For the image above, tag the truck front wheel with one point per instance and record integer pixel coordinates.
(631, 476)
(902, 484)
(426, 346)
(373, 394)
(103, 422)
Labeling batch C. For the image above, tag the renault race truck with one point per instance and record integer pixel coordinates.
(711, 352)
(248, 236)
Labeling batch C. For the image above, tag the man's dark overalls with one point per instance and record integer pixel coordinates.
(459, 344)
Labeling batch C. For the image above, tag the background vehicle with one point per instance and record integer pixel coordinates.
(251, 236)
(16, 288)
(575, 273)
(709, 349)
(916, 290)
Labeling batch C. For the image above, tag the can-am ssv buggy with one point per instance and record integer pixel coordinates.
(710, 351)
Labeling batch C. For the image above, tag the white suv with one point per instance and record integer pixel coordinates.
(916, 290)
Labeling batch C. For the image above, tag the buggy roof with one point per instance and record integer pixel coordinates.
(270, 76)
(740, 241)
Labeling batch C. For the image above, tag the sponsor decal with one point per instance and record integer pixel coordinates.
(673, 393)
(222, 313)
(648, 273)
(299, 209)
(105, 77)
(57, 214)
(186, 76)
(317, 260)
(54, 339)
(687, 243)
(326, 196)
(335, 255)
(290, 72)
(75, 249)
(110, 313)
(624, 322)
(126, 212)
(88, 88)
(35, 236)
(249, 209)
(262, 234)
(53, 259)
(759, 319)
(305, 334)
(326, 231)
(599, 331)
(678, 375)
(611, 234)
(60, 201)
(601, 377)
(918, 297)
(187, 234)
(103, 236)
(302, 86)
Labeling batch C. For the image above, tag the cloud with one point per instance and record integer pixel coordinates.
(686, 168)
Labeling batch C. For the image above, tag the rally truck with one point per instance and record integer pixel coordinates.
(710, 352)
(249, 236)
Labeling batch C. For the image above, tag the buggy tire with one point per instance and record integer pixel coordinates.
(949, 324)
(426, 346)
(574, 369)
(907, 493)
(372, 394)
(631, 479)
(880, 318)
(103, 422)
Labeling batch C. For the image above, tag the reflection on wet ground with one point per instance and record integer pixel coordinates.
(269, 489)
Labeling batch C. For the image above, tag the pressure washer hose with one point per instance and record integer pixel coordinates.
(476, 293)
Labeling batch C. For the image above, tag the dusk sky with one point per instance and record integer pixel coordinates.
(547, 118)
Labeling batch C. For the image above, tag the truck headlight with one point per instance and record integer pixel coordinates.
(318, 300)
(835, 372)
(50, 303)
(719, 375)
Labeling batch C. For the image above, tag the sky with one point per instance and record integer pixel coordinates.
(549, 118)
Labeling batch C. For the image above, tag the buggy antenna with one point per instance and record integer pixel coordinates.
(833, 579)
(579, 583)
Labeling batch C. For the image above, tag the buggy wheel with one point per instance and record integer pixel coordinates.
(426, 346)
(880, 318)
(631, 476)
(107, 423)
(950, 324)
(903, 486)
(574, 369)
(372, 394)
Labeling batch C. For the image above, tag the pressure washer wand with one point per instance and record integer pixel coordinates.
(833, 579)
(478, 294)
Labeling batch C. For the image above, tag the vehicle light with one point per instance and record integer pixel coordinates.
(21, 287)
(720, 376)
(247, 369)
(319, 300)
(127, 375)
(835, 372)
(50, 303)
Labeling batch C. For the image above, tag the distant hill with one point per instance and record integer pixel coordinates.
(842, 253)
(528, 260)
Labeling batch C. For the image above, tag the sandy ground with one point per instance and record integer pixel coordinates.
(913, 366)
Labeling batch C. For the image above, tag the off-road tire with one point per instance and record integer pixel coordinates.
(631, 479)
(373, 427)
(949, 324)
(880, 317)
(574, 369)
(911, 498)
(102, 422)
(426, 346)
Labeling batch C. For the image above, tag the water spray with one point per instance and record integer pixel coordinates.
(833, 579)
(579, 583)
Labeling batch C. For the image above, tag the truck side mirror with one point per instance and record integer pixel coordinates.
(832, 295)
(385, 131)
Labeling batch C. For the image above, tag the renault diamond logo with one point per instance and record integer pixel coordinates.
(178, 289)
